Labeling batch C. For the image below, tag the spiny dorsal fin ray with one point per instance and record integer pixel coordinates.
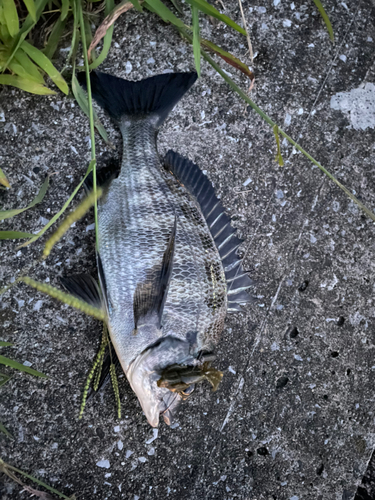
(150, 296)
(198, 185)
(83, 286)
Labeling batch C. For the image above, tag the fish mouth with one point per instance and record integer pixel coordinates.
(173, 401)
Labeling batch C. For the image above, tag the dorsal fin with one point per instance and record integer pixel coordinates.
(198, 185)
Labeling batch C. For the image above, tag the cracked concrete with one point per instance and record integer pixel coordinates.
(294, 417)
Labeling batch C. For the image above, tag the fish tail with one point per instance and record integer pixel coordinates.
(153, 96)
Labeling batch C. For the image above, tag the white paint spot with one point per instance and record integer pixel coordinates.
(275, 347)
(311, 45)
(369, 39)
(151, 60)
(300, 111)
(27, 363)
(287, 23)
(128, 67)
(151, 451)
(264, 27)
(359, 104)
(38, 305)
(294, 497)
(232, 370)
(90, 227)
(155, 435)
(261, 10)
(279, 194)
(128, 453)
(2, 116)
(104, 464)
(247, 182)
(288, 119)
(312, 238)
(43, 220)
(297, 357)
(276, 2)
(74, 149)
(120, 445)
(116, 428)
(142, 459)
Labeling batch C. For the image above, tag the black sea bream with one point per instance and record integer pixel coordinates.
(166, 251)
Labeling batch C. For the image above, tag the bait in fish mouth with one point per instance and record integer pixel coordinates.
(167, 261)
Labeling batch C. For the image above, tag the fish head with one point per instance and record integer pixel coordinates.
(145, 371)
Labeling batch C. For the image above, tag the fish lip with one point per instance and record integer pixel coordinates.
(167, 413)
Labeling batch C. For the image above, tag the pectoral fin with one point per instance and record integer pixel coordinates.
(150, 296)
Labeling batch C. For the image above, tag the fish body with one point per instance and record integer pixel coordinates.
(166, 251)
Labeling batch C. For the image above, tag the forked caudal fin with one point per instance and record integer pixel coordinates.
(153, 96)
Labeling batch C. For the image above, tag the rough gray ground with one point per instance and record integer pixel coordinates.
(294, 416)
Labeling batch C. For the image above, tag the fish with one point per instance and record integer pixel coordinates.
(166, 251)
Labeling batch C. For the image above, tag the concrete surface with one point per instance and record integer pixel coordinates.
(294, 417)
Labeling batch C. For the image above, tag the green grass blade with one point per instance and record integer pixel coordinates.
(208, 9)
(84, 105)
(61, 212)
(7, 214)
(27, 85)
(65, 298)
(107, 40)
(91, 114)
(22, 368)
(228, 57)
(27, 26)
(41, 60)
(162, 11)
(2, 17)
(4, 35)
(137, 5)
(54, 38)
(19, 69)
(14, 235)
(5, 431)
(88, 33)
(4, 379)
(3, 179)
(30, 6)
(31, 68)
(196, 39)
(5, 344)
(77, 214)
(11, 17)
(64, 9)
(6, 468)
(177, 5)
(323, 13)
(278, 158)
